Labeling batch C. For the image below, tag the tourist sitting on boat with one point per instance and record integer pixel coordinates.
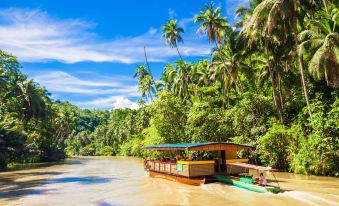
(262, 180)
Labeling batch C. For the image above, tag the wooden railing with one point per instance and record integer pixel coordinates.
(158, 166)
(191, 169)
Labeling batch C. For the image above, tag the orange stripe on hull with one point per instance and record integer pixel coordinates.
(195, 182)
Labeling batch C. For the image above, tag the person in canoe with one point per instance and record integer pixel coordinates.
(262, 180)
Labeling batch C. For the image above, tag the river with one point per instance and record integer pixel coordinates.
(113, 181)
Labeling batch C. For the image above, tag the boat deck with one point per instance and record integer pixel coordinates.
(189, 169)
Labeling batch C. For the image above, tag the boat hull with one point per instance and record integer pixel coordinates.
(184, 180)
(251, 187)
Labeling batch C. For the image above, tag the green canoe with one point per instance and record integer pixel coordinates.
(246, 185)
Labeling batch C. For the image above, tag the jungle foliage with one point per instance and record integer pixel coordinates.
(271, 82)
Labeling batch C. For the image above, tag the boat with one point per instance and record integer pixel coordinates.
(188, 171)
(245, 184)
(225, 166)
(245, 181)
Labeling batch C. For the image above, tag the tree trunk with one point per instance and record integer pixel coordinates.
(301, 65)
(280, 92)
(325, 5)
(238, 79)
(326, 77)
(276, 103)
(149, 70)
(302, 69)
(150, 95)
(179, 53)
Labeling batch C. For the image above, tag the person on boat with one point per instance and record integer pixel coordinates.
(262, 180)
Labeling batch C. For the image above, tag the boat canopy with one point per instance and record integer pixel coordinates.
(203, 146)
(250, 166)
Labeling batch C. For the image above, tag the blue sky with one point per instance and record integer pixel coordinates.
(86, 52)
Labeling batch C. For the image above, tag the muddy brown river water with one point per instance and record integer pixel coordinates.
(113, 181)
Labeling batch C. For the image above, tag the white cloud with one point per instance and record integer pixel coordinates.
(114, 102)
(62, 82)
(34, 36)
(171, 13)
(116, 91)
(185, 21)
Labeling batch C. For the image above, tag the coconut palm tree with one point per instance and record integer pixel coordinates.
(322, 41)
(168, 77)
(155, 84)
(182, 80)
(35, 100)
(202, 73)
(216, 29)
(145, 82)
(244, 12)
(272, 18)
(172, 33)
(255, 32)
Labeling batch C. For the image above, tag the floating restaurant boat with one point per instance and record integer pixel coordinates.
(224, 167)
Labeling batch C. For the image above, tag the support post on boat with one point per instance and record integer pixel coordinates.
(221, 164)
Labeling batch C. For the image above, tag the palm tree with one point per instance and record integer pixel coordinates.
(322, 41)
(35, 100)
(172, 33)
(147, 86)
(64, 122)
(255, 32)
(202, 73)
(277, 17)
(155, 84)
(168, 77)
(182, 80)
(215, 27)
(245, 12)
(145, 82)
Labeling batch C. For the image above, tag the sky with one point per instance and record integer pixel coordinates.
(86, 52)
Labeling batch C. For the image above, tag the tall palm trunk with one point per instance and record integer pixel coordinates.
(325, 5)
(302, 69)
(149, 70)
(326, 77)
(280, 92)
(301, 66)
(150, 95)
(274, 93)
(179, 53)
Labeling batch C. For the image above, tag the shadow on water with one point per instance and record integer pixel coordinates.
(105, 204)
(10, 189)
(18, 167)
(23, 180)
(81, 180)
(9, 180)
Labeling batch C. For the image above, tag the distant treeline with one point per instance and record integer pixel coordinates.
(271, 82)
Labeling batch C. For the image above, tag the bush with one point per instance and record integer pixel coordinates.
(88, 150)
(273, 146)
(318, 153)
(132, 147)
(106, 151)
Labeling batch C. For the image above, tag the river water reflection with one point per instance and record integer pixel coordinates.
(108, 181)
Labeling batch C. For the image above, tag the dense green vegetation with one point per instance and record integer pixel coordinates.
(271, 82)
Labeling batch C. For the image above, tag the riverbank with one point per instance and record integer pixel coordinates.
(74, 160)
(122, 181)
